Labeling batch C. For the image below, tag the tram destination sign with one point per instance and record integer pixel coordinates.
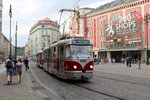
(80, 41)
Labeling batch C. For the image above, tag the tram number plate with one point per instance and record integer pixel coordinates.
(84, 71)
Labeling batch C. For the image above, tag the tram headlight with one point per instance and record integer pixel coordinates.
(75, 67)
(91, 66)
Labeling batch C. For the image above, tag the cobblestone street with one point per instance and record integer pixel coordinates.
(110, 81)
(119, 68)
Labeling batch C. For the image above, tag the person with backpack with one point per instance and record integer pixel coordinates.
(9, 67)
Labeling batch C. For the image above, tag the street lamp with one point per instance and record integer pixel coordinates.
(16, 42)
(146, 18)
(10, 14)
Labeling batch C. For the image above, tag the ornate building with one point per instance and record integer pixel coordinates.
(118, 30)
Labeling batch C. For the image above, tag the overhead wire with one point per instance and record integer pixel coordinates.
(72, 15)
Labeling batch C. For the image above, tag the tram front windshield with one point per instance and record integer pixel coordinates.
(80, 51)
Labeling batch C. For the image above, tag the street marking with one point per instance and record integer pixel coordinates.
(54, 95)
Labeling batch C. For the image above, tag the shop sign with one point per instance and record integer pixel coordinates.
(139, 38)
(138, 16)
(134, 37)
(124, 23)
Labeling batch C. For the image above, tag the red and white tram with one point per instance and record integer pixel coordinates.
(69, 59)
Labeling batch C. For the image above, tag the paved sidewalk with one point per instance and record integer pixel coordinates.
(119, 68)
(22, 91)
(2, 68)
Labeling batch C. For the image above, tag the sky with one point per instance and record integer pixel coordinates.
(27, 12)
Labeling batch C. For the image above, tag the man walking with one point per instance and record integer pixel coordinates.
(127, 62)
(130, 62)
(26, 63)
(9, 67)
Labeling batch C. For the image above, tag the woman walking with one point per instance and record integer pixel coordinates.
(19, 69)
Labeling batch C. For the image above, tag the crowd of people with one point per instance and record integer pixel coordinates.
(14, 68)
(128, 61)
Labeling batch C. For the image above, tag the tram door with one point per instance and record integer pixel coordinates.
(48, 59)
(61, 59)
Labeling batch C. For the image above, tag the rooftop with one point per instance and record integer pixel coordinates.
(111, 4)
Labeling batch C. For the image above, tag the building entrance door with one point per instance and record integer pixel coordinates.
(117, 55)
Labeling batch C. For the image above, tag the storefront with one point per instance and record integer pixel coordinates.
(124, 38)
(102, 55)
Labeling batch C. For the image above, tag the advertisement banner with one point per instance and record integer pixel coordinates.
(138, 16)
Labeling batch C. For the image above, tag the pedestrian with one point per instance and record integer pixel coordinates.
(127, 62)
(114, 60)
(14, 68)
(19, 70)
(9, 68)
(130, 62)
(26, 63)
(122, 60)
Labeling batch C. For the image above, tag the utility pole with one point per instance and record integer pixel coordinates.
(10, 14)
(16, 42)
(146, 18)
(77, 19)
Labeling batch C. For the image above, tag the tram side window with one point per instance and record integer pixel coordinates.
(68, 51)
(61, 49)
(54, 50)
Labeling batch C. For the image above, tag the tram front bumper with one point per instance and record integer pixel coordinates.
(78, 75)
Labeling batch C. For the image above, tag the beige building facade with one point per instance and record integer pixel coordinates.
(26, 50)
(42, 35)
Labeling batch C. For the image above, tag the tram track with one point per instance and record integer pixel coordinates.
(121, 80)
(79, 84)
(102, 93)
(106, 90)
(114, 95)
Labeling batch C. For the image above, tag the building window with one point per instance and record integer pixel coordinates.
(116, 17)
(102, 21)
(116, 30)
(102, 44)
(90, 34)
(90, 23)
(134, 29)
(101, 32)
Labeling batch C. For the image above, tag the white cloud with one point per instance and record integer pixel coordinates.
(28, 12)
